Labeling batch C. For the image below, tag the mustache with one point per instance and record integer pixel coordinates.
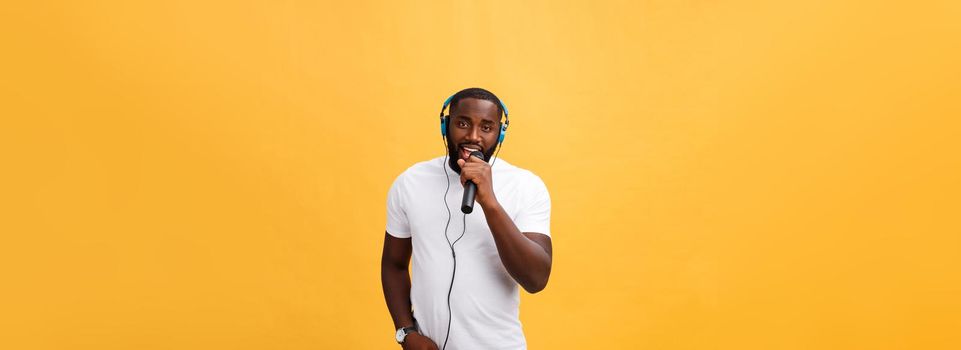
(456, 148)
(453, 149)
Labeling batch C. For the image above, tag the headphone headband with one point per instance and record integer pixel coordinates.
(507, 119)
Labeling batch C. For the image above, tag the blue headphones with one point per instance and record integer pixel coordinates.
(444, 119)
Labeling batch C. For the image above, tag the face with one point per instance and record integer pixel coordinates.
(474, 126)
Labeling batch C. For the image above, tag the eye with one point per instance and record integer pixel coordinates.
(486, 128)
(461, 124)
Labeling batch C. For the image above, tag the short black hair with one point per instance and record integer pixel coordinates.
(479, 94)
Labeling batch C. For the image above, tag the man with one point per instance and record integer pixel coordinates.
(462, 292)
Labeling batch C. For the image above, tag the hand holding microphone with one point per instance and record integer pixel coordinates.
(473, 172)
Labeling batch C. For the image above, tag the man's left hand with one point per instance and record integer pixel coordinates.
(479, 172)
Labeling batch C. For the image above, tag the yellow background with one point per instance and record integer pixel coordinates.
(724, 174)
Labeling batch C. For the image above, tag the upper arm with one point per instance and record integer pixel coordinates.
(535, 211)
(397, 251)
(398, 224)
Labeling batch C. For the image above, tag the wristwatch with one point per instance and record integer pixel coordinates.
(403, 332)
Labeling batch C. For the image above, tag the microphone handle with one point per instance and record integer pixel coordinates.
(470, 191)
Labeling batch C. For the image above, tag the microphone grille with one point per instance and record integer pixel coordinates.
(478, 154)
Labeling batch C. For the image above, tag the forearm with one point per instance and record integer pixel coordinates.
(396, 284)
(526, 261)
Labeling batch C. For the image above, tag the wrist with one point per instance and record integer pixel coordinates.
(488, 203)
(401, 334)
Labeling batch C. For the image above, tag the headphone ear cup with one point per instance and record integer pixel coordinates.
(443, 126)
(500, 138)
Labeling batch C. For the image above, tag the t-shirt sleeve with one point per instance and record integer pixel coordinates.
(397, 223)
(536, 213)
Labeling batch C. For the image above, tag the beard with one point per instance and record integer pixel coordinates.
(453, 154)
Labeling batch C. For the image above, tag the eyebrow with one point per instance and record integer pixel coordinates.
(483, 121)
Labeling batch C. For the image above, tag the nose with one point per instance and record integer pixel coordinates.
(474, 135)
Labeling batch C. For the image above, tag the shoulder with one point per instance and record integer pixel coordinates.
(526, 179)
(428, 168)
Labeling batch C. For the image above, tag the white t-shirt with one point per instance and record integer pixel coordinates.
(484, 300)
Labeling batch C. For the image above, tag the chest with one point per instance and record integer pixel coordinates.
(436, 220)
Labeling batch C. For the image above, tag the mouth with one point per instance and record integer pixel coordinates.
(466, 150)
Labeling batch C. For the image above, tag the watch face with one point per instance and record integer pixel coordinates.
(400, 335)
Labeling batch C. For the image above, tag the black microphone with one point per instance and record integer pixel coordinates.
(470, 189)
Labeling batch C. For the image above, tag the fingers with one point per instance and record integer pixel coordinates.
(471, 169)
(472, 160)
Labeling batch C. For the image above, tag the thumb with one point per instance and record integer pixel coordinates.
(461, 162)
